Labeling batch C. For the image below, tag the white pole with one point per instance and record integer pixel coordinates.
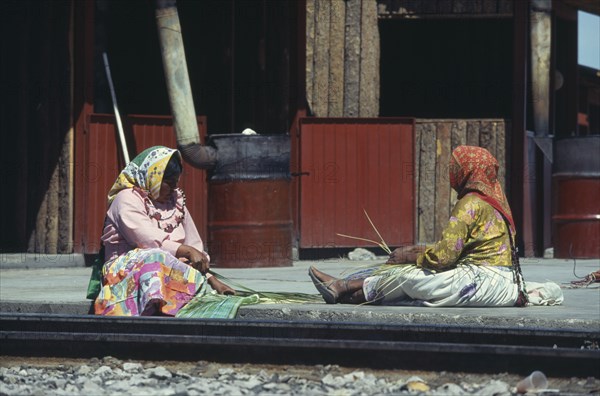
(116, 109)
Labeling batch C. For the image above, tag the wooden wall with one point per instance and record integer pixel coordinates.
(353, 165)
(434, 141)
(342, 58)
(36, 138)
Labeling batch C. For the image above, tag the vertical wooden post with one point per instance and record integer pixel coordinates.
(82, 106)
(309, 51)
(336, 59)
(352, 58)
(321, 58)
(442, 182)
(426, 188)
(369, 61)
(517, 137)
(541, 31)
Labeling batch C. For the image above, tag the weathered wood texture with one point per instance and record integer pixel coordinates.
(352, 59)
(310, 48)
(434, 141)
(342, 58)
(444, 8)
(369, 61)
(337, 25)
(35, 126)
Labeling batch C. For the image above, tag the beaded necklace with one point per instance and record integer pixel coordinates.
(165, 222)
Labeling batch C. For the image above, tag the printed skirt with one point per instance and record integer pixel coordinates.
(146, 282)
(464, 286)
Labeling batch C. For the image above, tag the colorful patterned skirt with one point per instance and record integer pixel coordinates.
(146, 282)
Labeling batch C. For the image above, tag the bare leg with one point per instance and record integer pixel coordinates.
(358, 297)
(336, 290)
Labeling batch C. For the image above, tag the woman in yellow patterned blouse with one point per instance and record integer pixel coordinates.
(473, 264)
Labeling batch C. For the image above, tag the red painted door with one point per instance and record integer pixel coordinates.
(353, 165)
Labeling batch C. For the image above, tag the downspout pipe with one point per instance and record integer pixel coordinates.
(179, 89)
(540, 47)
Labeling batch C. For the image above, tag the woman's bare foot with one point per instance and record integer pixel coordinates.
(220, 287)
(330, 288)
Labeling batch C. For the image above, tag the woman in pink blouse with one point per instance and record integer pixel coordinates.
(155, 258)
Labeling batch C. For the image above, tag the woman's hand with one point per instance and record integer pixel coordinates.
(220, 287)
(195, 258)
(406, 254)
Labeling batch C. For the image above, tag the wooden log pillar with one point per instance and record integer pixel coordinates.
(540, 36)
(517, 172)
(369, 60)
(342, 58)
(352, 59)
(540, 47)
(49, 198)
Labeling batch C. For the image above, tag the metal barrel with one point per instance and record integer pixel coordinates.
(576, 197)
(249, 201)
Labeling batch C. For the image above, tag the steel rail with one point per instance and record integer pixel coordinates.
(428, 347)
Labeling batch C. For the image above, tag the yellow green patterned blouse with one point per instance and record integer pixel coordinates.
(476, 234)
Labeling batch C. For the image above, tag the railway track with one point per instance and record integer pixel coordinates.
(425, 347)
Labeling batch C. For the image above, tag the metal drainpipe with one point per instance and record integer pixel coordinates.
(178, 88)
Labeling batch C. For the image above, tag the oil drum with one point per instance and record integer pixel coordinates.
(576, 197)
(249, 201)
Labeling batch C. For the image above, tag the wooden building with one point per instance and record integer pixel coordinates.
(373, 93)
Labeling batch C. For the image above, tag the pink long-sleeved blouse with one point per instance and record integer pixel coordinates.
(128, 226)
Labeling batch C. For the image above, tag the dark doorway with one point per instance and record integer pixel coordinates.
(240, 56)
(459, 68)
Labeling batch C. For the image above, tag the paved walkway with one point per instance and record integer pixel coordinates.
(58, 286)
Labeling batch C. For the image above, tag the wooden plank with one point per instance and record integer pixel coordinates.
(501, 151)
(417, 164)
(38, 240)
(51, 226)
(369, 61)
(487, 136)
(352, 58)
(473, 133)
(459, 133)
(65, 215)
(442, 182)
(351, 165)
(321, 54)
(310, 49)
(427, 183)
(336, 58)
(459, 138)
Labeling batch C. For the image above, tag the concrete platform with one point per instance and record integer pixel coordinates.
(59, 287)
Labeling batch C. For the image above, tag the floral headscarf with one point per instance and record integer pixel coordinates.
(144, 172)
(475, 170)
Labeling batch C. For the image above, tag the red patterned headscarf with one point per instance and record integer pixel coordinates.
(475, 170)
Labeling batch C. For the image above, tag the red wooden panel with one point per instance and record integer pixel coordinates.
(103, 162)
(353, 165)
(100, 167)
